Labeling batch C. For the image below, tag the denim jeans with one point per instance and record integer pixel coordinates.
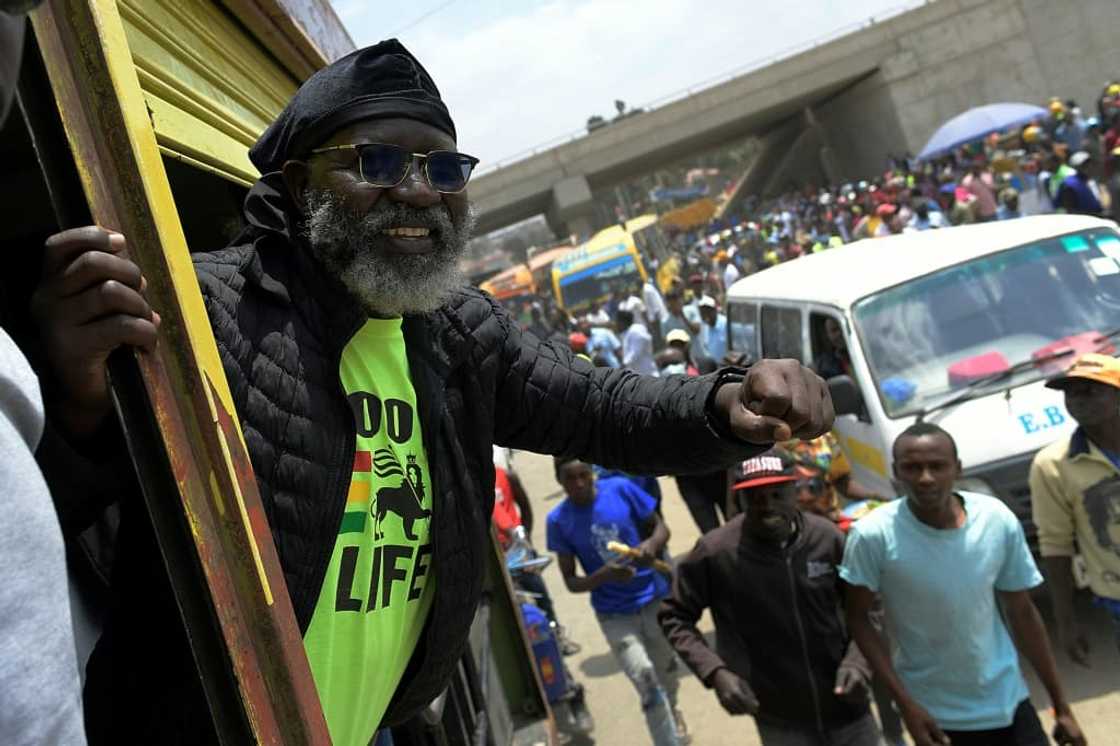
(645, 656)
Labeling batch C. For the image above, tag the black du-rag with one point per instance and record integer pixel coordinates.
(376, 82)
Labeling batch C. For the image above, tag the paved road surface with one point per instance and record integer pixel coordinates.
(614, 703)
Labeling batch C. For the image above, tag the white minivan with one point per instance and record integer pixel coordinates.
(958, 326)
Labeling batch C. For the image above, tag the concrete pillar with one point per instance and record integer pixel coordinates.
(572, 208)
(770, 154)
(825, 156)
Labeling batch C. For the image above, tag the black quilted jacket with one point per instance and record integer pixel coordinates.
(479, 380)
(281, 327)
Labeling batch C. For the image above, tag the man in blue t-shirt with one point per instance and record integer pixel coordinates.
(941, 560)
(625, 594)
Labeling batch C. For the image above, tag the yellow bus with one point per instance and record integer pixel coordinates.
(613, 259)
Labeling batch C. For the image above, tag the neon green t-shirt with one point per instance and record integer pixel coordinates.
(378, 588)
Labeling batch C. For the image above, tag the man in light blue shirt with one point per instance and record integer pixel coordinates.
(940, 559)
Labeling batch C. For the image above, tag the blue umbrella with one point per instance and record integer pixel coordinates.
(976, 123)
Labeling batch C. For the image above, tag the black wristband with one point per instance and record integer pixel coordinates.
(719, 424)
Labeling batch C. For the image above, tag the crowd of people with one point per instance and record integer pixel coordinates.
(1064, 162)
(919, 603)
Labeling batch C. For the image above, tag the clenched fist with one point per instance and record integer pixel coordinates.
(778, 400)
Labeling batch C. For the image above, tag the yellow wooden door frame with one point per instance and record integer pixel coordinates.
(184, 397)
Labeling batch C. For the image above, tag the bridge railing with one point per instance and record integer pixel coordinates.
(748, 67)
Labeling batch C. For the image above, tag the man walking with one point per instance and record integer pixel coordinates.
(625, 598)
(637, 344)
(1075, 494)
(769, 578)
(940, 559)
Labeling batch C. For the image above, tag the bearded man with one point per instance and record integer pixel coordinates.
(371, 385)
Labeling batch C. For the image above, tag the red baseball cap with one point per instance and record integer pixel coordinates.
(772, 467)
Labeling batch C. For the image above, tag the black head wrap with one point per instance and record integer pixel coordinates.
(384, 80)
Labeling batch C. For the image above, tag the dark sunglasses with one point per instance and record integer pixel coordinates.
(386, 166)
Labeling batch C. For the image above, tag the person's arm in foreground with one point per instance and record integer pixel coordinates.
(1053, 514)
(89, 301)
(1059, 577)
(678, 615)
(923, 728)
(1030, 636)
(553, 402)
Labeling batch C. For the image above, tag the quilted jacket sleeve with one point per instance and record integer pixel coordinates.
(550, 401)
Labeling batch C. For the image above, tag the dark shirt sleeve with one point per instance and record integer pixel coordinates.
(550, 401)
(681, 610)
(85, 479)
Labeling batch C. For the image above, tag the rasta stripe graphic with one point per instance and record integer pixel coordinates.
(401, 492)
(386, 464)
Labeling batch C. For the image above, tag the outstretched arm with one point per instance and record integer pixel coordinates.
(552, 402)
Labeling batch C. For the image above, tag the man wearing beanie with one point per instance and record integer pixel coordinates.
(371, 384)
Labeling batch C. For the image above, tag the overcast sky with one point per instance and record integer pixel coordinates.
(518, 73)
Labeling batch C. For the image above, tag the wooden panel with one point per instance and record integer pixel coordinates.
(210, 88)
(304, 35)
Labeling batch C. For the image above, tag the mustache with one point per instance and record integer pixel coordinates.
(396, 215)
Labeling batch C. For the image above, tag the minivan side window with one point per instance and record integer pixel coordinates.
(781, 333)
(742, 329)
(828, 359)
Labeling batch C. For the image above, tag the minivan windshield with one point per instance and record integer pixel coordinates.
(928, 338)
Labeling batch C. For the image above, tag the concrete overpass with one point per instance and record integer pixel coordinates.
(835, 111)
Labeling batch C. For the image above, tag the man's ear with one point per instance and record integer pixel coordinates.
(297, 177)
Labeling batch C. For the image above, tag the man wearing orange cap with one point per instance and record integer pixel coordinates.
(1075, 493)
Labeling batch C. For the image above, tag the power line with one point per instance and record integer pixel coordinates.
(422, 18)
